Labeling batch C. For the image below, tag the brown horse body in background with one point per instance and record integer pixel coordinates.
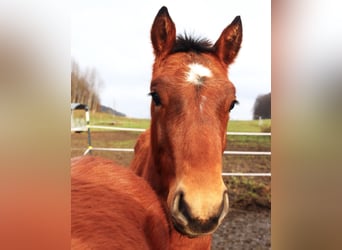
(112, 208)
(181, 154)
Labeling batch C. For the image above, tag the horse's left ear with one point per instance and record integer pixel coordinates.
(163, 33)
(228, 45)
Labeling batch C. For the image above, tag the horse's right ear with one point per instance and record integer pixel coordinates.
(163, 33)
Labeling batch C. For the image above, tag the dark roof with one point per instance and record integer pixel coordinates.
(79, 106)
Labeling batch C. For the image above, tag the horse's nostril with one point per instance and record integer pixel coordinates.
(178, 209)
(182, 206)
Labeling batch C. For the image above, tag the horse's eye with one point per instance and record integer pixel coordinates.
(155, 98)
(233, 104)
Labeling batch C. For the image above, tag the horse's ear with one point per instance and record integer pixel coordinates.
(163, 33)
(228, 45)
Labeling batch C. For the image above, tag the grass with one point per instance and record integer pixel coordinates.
(249, 126)
(112, 120)
(255, 143)
(106, 119)
(118, 121)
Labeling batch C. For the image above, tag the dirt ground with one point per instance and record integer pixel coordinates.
(248, 224)
(244, 230)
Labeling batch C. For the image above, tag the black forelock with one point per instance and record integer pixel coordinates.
(186, 43)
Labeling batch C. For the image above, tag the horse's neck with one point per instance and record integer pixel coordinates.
(145, 165)
(142, 157)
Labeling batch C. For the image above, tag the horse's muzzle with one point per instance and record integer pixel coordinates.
(187, 224)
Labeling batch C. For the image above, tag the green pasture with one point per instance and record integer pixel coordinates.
(106, 119)
(249, 126)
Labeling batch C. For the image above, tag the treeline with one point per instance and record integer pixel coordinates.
(85, 86)
(262, 107)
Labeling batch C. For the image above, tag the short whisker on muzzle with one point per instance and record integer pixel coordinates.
(225, 207)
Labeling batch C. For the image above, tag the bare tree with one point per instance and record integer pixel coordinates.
(85, 86)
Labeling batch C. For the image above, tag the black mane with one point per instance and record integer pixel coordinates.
(185, 43)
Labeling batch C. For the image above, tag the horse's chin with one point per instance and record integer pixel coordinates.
(185, 231)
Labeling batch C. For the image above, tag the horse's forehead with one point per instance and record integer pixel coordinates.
(197, 73)
(193, 69)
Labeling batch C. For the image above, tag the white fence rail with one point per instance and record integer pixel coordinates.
(246, 174)
(143, 130)
(118, 128)
(90, 148)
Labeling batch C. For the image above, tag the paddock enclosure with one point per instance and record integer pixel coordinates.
(104, 141)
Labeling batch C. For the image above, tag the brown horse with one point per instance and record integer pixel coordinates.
(112, 208)
(181, 154)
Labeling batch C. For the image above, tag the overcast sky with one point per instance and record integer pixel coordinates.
(114, 38)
